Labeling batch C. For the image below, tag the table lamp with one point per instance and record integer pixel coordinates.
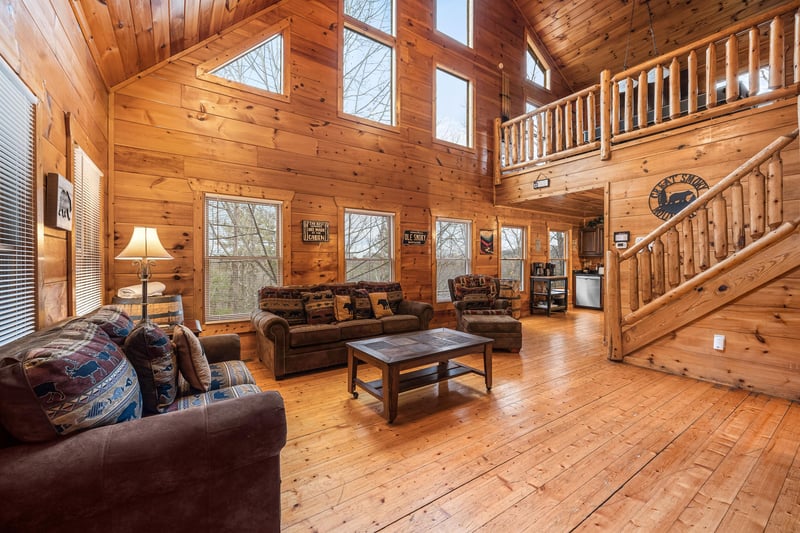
(144, 249)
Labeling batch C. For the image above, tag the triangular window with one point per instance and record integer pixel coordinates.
(259, 63)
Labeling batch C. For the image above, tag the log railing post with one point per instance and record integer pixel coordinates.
(645, 276)
(674, 88)
(731, 69)
(497, 155)
(776, 53)
(633, 282)
(719, 212)
(613, 306)
(605, 114)
(628, 103)
(737, 216)
(659, 285)
(591, 102)
(775, 191)
(658, 95)
(692, 82)
(687, 247)
(673, 258)
(711, 75)
(702, 239)
(796, 47)
(579, 112)
(757, 189)
(641, 118)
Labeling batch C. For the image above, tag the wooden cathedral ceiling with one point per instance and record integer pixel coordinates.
(127, 37)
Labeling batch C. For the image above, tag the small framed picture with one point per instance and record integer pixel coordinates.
(58, 212)
(487, 241)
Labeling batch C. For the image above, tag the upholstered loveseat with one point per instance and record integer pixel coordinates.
(100, 432)
(306, 327)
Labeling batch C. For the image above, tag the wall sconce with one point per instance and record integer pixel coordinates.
(144, 249)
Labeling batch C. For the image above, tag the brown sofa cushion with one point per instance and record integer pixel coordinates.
(319, 307)
(150, 351)
(76, 381)
(399, 323)
(357, 329)
(318, 334)
(285, 302)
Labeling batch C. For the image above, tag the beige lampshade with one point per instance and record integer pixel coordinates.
(144, 245)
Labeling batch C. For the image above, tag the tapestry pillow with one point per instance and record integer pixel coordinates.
(150, 351)
(475, 298)
(344, 308)
(114, 321)
(319, 307)
(75, 381)
(393, 290)
(285, 302)
(362, 307)
(380, 304)
(191, 357)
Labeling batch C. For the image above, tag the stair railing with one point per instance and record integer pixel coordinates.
(664, 264)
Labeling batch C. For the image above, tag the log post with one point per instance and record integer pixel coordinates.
(775, 191)
(646, 276)
(641, 119)
(613, 306)
(497, 155)
(752, 62)
(628, 103)
(737, 216)
(687, 247)
(511, 140)
(796, 47)
(591, 102)
(659, 286)
(692, 82)
(731, 69)
(673, 258)
(579, 121)
(711, 75)
(633, 282)
(757, 188)
(720, 214)
(539, 136)
(616, 111)
(559, 125)
(674, 88)
(658, 95)
(702, 239)
(548, 126)
(606, 114)
(531, 137)
(776, 54)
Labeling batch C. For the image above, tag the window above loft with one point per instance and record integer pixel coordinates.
(537, 71)
(454, 19)
(258, 65)
(453, 102)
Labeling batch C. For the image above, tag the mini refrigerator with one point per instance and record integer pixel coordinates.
(588, 291)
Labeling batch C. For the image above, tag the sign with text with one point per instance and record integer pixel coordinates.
(315, 231)
(411, 236)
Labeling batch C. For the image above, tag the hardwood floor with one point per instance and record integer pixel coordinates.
(566, 440)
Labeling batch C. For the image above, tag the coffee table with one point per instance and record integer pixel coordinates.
(395, 353)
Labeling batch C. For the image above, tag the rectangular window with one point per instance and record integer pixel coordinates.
(512, 254)
(453, 253)
(368, 58)
(243, 253)
(88, 194)
(454, 19)
(559, 245)
(17, 212)
(453, 108)
(537, 71)
(368, 246)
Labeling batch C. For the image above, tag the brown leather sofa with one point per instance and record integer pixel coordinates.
(210, 467)
(286, 343)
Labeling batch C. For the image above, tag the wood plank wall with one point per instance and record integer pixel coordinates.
(761, 329)
(175, 135)
(43, 44)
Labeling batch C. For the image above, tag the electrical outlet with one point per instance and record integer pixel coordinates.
(719, 342)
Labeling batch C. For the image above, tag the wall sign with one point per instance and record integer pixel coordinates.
(675, 192)
(58, 212)
(487, 241)
(315, 231)
(414, 237)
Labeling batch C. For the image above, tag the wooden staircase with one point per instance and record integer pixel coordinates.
(730, 241)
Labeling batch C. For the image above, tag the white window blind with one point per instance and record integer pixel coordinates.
(17, 214)
(88, 258)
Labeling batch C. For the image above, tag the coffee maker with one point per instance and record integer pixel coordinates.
(537, 269)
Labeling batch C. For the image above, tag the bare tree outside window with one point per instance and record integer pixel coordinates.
(260, 67)
(536, 71)
(512, 254)
(452, 108)
(243, 254)
(368, 246)
(453, 253)
(558, 252)
(368, 61)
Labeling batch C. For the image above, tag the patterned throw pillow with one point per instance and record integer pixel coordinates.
(191, 357)
(319, 307)
(285, 302)
(150, 352)
(77, 380)
(114, 321)
(362, 304)
(344, 308)
(380, 304)
(393, 290)
(476, 291)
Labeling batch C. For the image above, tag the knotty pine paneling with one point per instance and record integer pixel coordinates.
(43, 44)
(171, 128)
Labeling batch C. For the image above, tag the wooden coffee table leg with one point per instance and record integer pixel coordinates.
(487, 365)
(352, 371)
(391, 392)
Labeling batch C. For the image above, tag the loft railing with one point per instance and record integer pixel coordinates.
(731, 70)
(715, 232)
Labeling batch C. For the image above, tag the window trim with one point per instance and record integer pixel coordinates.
(204, 70)
(470, 24)
(394, 245)
(523, 259)
(470, 146)
(390, 40)
(442, 304)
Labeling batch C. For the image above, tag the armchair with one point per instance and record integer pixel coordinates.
(479, 311)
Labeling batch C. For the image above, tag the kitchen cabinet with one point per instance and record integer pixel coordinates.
(591, 241)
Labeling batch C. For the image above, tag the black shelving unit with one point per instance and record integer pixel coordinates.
(549, 294)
